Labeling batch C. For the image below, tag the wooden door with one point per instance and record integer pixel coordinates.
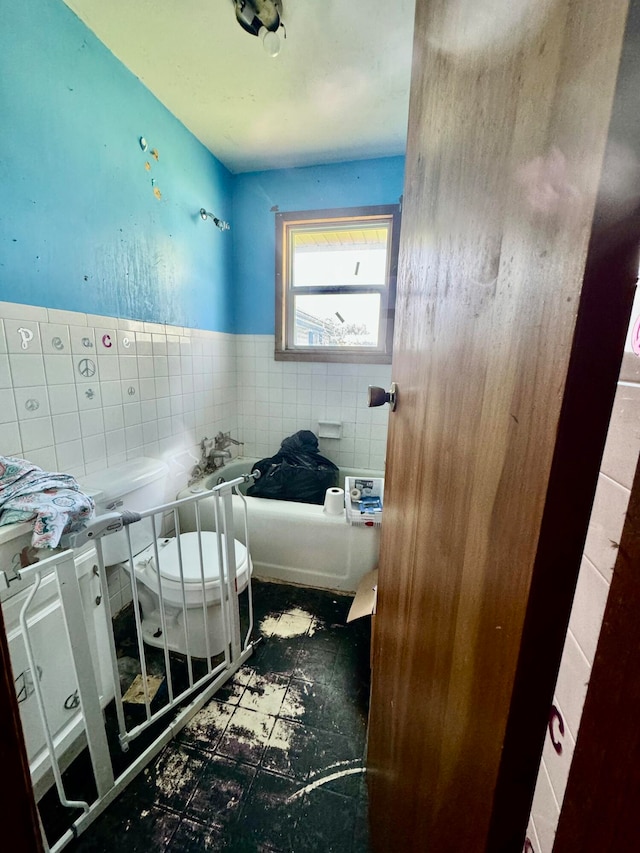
(507, 130)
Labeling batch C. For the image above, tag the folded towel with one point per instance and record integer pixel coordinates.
(53, 500)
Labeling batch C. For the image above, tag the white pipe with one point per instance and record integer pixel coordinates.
(187, 639)
(55, 767)
(122, 727)
(205, 619)
(224, 582)
(163, 614)
(136, 616)
(247, 546)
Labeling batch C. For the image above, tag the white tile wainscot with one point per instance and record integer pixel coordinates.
(277, 398)
(605, 526)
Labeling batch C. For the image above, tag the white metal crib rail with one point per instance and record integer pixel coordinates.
(184, 700)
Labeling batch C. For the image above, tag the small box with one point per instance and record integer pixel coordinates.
(365, 510)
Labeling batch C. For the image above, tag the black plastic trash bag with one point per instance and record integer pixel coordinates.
(296, 473)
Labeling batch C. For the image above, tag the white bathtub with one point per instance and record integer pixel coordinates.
(295, 542)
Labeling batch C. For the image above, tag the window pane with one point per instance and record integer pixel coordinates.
(331, 320)
(335, 284)
(339, 256)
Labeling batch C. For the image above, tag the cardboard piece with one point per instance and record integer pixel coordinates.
(135, 693)
(364, 603)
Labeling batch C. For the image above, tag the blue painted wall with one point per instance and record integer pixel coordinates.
(352, 184)
(80, 228)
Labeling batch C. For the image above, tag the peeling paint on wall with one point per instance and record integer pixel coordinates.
(85, 232)
(146, 276)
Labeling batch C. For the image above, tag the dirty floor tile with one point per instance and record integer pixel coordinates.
(274, 762)
(219, 796)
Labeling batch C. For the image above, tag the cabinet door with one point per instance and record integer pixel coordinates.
(55, 674)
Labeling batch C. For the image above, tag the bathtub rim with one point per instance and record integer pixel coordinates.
(210, 480)
(361, 543)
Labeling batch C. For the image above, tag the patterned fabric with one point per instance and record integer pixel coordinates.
(53, 500)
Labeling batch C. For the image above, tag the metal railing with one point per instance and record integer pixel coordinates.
(182, 700)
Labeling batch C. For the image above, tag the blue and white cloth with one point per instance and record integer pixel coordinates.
(53, 500)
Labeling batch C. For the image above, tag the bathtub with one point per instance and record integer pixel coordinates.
(294, 542)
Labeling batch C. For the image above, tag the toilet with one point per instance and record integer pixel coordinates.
(139, 485)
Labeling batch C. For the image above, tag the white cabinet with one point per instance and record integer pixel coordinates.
(54, 666)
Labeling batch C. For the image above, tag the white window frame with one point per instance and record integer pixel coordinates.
(287, 223)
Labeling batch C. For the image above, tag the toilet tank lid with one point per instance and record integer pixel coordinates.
(109, 484)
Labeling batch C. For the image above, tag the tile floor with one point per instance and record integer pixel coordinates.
(265, 765)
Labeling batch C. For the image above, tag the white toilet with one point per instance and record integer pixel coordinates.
(139, 485)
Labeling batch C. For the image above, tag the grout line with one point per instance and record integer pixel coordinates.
(601, 573)
(615, 482)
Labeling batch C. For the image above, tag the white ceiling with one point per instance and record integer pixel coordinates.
(339, 90)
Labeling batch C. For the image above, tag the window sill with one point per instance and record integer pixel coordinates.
(334, 357)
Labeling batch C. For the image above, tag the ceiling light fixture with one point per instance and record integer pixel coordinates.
(219, 223)
(262, 18)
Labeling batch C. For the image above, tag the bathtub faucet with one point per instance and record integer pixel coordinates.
(223, 440)
(212, 456)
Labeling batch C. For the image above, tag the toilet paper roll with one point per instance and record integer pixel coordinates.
(355, 494)
(334, 501)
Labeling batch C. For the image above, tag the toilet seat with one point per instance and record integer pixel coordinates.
(169, 565)
(190, 550)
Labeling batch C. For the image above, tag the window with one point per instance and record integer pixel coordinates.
(335, 284)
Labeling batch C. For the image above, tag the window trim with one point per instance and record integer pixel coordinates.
(285, 221)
